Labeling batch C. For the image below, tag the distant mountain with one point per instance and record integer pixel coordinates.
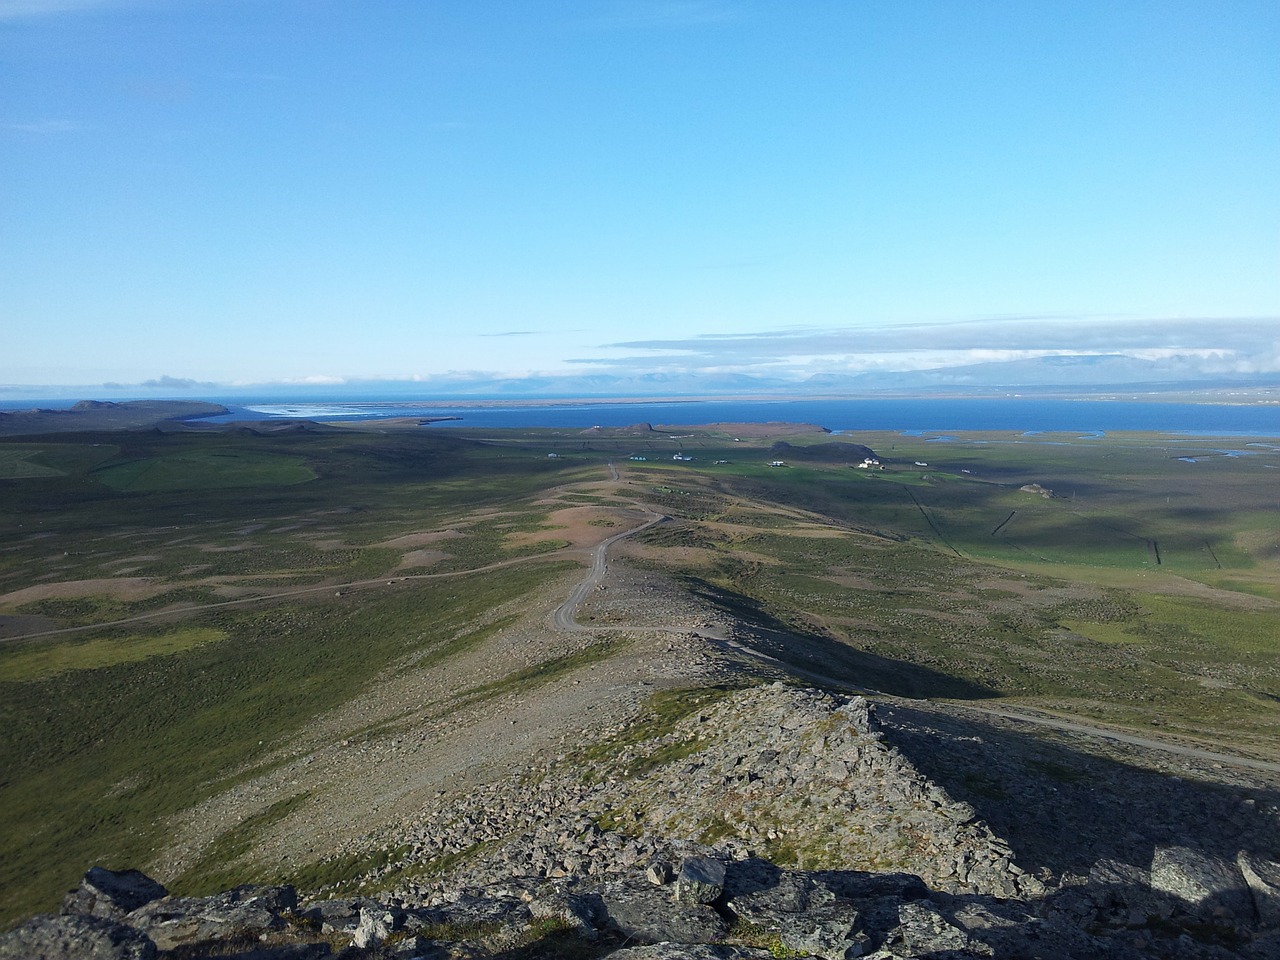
(105, 415)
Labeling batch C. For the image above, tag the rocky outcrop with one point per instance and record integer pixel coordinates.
(173, 922)
(765, 822)
(75, 937)
(801, 778)
(759, 910)
(112, 893)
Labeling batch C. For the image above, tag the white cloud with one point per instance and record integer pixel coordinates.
(985, 339)
(1146, 348)
(314, 380)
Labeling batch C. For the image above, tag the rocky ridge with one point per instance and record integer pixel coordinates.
(768, 821)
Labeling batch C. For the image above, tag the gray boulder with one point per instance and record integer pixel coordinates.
(286, 951)
(335, 916)
(690, 951)
(828, 932)
(477, 908)
(374, 927)
(701, 880)
(75, 937)
(1121, 894)
(659, 873)
(805, 914)
(1263, 879)
(787, 894)
(187, 921)
(576, 911)
(636, 908)
(1206, 884)
(925, 932)
(112, 893)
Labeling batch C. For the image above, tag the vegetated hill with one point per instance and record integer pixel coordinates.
(652, 797)
(763, 822)
(88, 415)
(270, 427)
(635, 429)
(491, 777)
(837, 451)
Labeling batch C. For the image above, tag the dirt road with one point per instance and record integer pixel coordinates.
(565, 617)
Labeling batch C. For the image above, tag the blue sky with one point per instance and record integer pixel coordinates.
(251, 191)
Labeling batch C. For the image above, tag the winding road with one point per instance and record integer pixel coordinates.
(565, 617)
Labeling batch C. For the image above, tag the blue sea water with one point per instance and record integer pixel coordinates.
(922, 416)
(918, 416)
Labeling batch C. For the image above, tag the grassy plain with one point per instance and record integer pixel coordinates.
(208, 584)
(984, 588)
(112, 727)
(1135, 581)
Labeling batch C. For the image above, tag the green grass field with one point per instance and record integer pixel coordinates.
(206, 470)
(104, 736)
(1144, 591)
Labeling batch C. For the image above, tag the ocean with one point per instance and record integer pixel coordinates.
(910, 416)
(901, 415)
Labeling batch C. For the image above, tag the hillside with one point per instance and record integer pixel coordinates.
(88, 415)
(439, 697)
(768, 821)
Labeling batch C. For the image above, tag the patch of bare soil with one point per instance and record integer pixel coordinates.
(575, 525)
(123, 588)
(420, 558)
(854, 583)
(234, 593)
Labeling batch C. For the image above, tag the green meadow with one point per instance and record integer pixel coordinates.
(176, 605)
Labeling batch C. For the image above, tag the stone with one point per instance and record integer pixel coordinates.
(112, 893)
(374, 927)
(286, 951)
(659, 873)
(701, 880)
(1207, 884)
(1121, 894)
(771, 897)
(186, 921)
(335, 915)
(686, 951)
(1263, 879)
(576, 911)
(637, 909)
(924, 931)
(828, 932)
(75, 937)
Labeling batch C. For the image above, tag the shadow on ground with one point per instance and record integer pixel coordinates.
(827, 657)
(1063, 809)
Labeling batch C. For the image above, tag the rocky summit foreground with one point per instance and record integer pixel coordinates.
(767, 822)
